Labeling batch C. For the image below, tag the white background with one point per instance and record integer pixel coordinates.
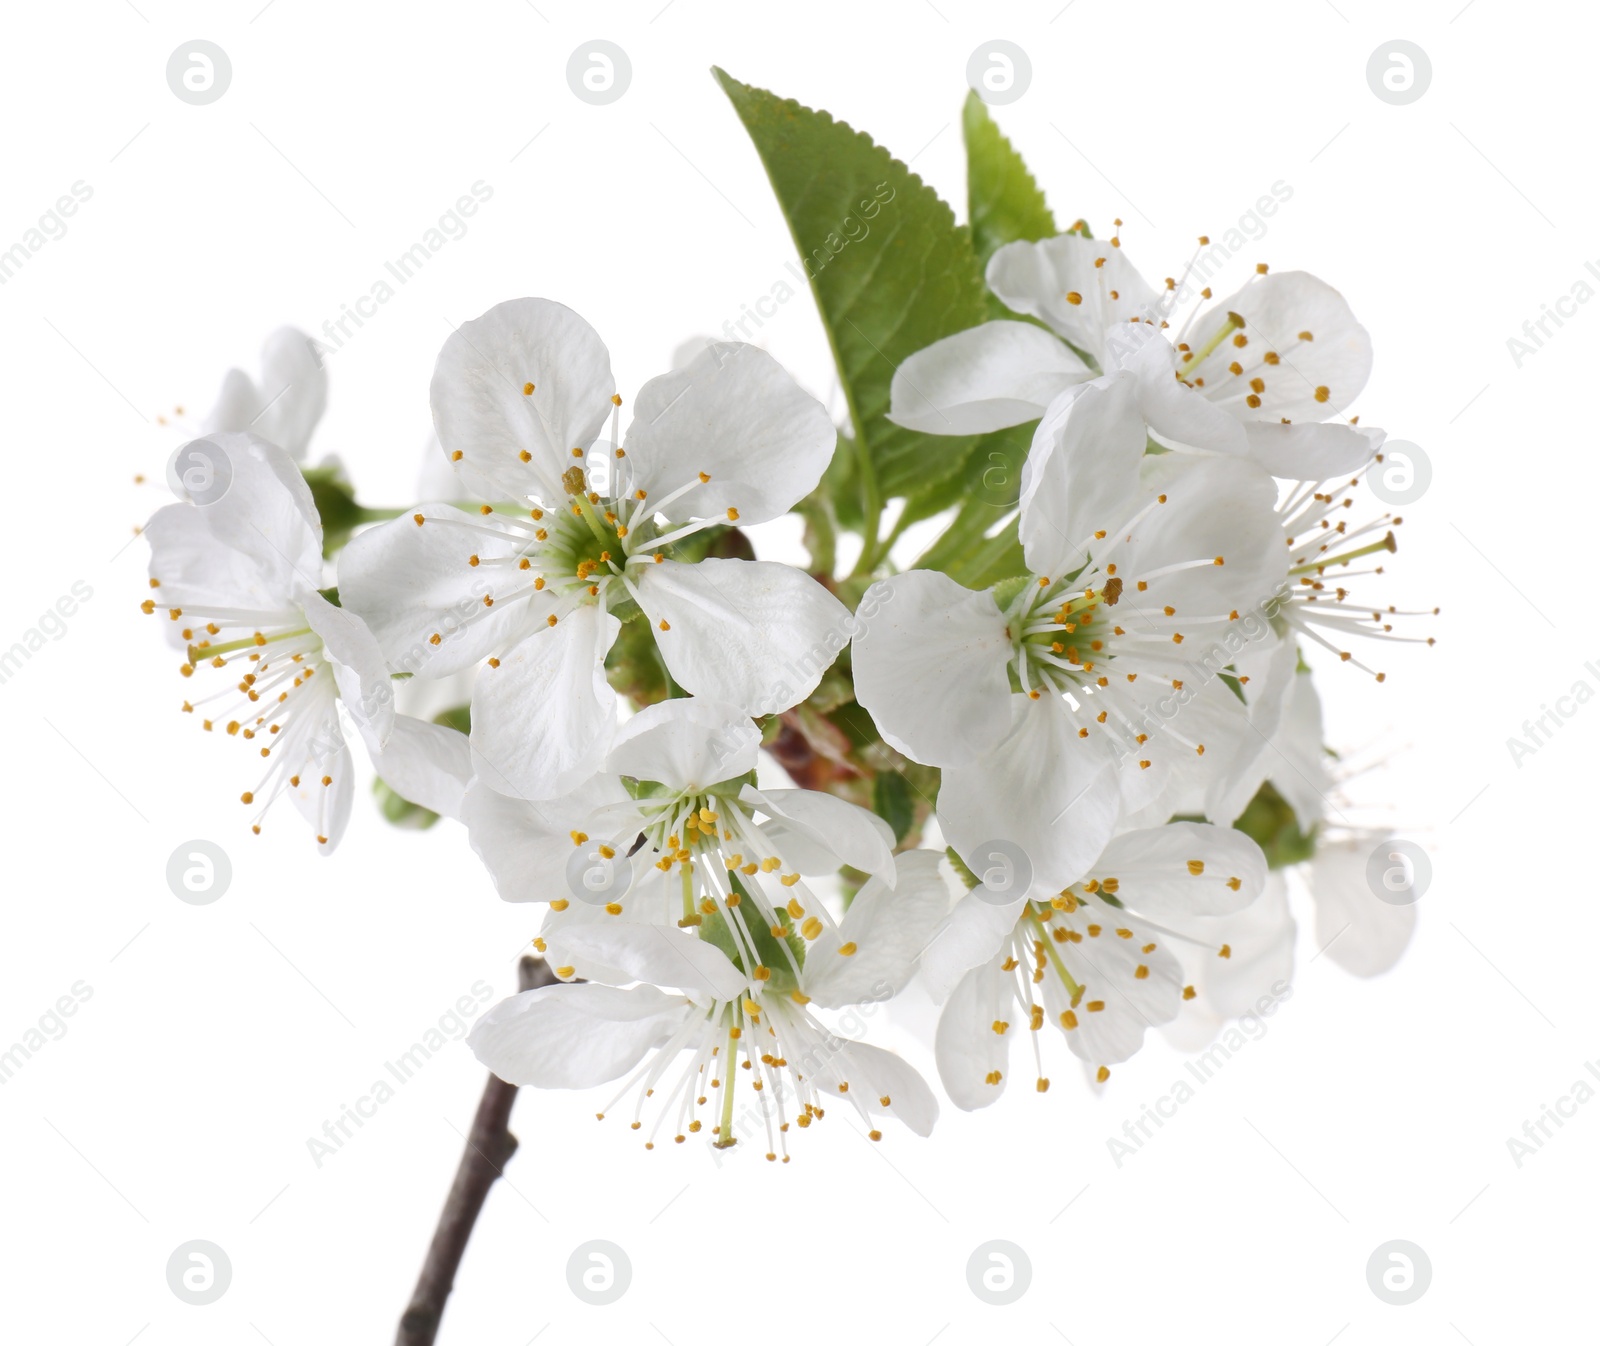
(219, 1038)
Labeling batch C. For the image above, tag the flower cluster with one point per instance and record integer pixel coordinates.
(749, 796)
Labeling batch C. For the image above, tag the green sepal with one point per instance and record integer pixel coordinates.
(1270, 822)
(769, 948)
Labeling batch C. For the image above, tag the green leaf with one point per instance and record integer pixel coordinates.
(891, 801)
(889, 267)
(1004, 203)
(991, 477)
(395, 807)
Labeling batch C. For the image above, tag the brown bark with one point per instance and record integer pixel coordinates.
(489, 1148)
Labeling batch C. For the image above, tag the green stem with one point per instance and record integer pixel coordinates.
(1386, 543)
(1049, 947)
(590, 518)
(1195, 357)
(729, 1066)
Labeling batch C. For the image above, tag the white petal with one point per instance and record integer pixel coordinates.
(428, 764)
(688, 743)
(1216, 506)
(966, 1047)
(285, 409)
(1179, 415)
(1307, 452)
(734, 414)
(889, 928)
(1276, 309)
(196, 569)
(1298, 762)
(756, 634)
(1082, 474)
(526, 846)
(1040, 279)
(1107, 968)
(238, 403)
(411, 583)
(983, 379)
(481, 411)
(1260, 941)
(873, 1075)
(543, 720)
(1361, 933)
(322, 756)
(974, 933)
(358, 667)
(656, 954)
(1217, 783)
(1242, 769)
(1043, 789)
(439, 479)
(574, 1037)
(929, 659)
(265, 512)
(841, 830)
(1183, 869)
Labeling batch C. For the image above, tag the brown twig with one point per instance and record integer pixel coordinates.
(490, 1146)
